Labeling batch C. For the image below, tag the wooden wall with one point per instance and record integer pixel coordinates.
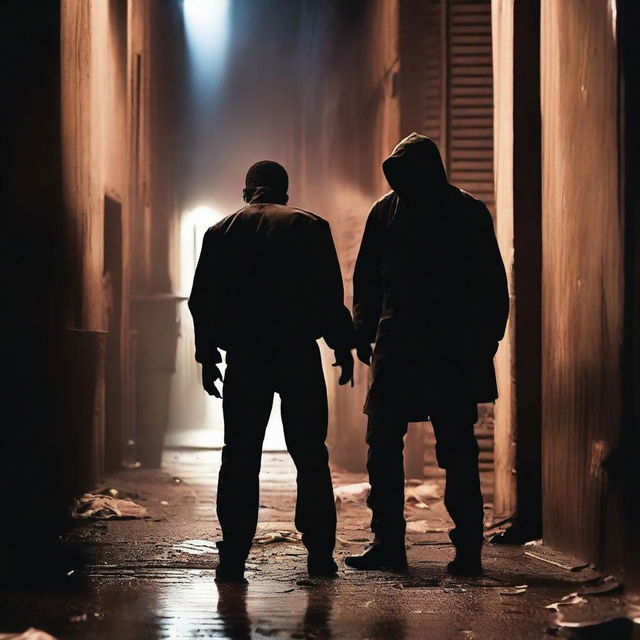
(582, 269)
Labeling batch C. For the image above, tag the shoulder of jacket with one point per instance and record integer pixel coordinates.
(308, 215)
(383, 206)
(223, 224)
(471, 207)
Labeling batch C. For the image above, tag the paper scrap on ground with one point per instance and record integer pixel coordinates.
(195, 547)
(100, 507)
(421, 494)
(515, 590)
(29, 634)
(568, 600)
(603, 586)
(352, 493)
(278, 536)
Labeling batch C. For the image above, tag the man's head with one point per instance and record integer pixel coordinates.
(266, 181)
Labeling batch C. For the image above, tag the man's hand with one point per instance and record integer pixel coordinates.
(344, 360)
(364, 353)
(211, 373)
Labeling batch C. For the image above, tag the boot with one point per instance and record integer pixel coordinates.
(465, 566)
(321, 566)
(231, 565)
(380, 557)
(468, 560)
(228, 571)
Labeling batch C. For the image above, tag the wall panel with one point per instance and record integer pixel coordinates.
(582, 270)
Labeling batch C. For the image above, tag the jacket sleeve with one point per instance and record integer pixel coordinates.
(203, 298)
(491, 280)
(337, 327)
(367, 283)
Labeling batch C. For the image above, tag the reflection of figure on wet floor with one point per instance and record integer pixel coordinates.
(232, 609)
(316, 623)
(267, 286)
(430, 290)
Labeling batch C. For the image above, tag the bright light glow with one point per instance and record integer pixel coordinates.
(207, 30)
(195, 419)
(192, 229)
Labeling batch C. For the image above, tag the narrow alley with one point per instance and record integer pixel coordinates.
(154, 578)
(134, 127)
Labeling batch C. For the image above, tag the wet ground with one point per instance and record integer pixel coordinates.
(154, 577)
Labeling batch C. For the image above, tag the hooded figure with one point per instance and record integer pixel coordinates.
(430, 291)
(266, 287)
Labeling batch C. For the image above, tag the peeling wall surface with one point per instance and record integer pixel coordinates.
(582, 269)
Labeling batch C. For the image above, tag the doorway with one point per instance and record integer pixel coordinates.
(112, 283)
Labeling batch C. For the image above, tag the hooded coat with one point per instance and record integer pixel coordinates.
(430, 289)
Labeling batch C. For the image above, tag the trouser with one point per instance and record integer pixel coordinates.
(456, 452)
(249, 385)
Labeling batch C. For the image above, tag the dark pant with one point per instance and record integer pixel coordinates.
(250, 382)
(456, 452)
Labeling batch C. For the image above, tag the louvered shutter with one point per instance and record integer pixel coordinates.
(469, 144)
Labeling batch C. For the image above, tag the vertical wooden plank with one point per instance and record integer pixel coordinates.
(582, 269)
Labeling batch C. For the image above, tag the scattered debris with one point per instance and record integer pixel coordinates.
(419, 514)
(29, 634)
(425, 526)
(557, 559)
(195, 547)
(98, 507)
(602, 586)
(568, 600)
(352, 541)
(79, 617)
(419, 496)
(278, 536)
(351, 493)
(610, 627)
(515, 590)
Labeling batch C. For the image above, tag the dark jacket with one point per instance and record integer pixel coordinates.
(268, 278)
(429, 286)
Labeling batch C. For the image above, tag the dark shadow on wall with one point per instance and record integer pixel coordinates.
(48, 381)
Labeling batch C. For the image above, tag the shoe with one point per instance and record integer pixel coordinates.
(228, 572)
(380, 557)
(467, 566)
(322, 566)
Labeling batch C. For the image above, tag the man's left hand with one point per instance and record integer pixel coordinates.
(344, 360)
(211, 373)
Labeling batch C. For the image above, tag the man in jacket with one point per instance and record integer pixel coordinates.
(430, 290)
(266, 287)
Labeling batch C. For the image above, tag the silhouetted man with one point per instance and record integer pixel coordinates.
(430, 290)
(267, 286)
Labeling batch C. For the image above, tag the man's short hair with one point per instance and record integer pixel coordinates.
(267, 173)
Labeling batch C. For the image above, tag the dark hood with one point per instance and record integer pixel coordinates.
(414, 170)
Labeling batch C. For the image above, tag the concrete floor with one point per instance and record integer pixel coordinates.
(154, 578)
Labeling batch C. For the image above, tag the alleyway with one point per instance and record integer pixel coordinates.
(154, 578)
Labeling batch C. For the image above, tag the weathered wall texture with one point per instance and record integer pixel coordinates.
(504, 440)
(518, 223)
(94, 130)
(119, 194)
(95, 134)
(582, 269)
(349, 125)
